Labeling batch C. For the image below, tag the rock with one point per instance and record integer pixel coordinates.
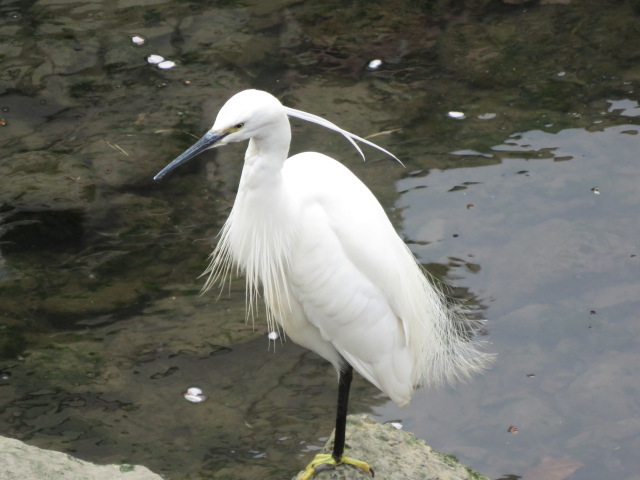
(25, 462)
(393, 454)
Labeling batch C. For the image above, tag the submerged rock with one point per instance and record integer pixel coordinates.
(23, 461)
(393, 454)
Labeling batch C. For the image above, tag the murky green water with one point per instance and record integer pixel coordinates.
(528, 204)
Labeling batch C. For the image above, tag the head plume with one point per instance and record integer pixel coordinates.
(309, 117)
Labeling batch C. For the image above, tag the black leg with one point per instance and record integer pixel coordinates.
(344, 383)
(322, 461)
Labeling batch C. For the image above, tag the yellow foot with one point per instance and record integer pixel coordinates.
(324, 461)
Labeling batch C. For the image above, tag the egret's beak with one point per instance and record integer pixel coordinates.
(206, 142)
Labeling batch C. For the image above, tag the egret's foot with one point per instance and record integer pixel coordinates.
(324, 461)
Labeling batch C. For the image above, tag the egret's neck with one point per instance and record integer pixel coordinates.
(261, 211)
(266, 154)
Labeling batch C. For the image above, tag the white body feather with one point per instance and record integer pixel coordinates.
(334, 273)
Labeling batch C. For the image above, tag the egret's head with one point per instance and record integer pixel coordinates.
(245, 115)
(259, 115)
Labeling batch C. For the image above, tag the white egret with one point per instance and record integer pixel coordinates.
(335, 275)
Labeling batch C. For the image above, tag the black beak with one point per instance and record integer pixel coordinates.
(206, 142)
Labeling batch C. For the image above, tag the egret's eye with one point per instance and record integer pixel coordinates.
(238, 126)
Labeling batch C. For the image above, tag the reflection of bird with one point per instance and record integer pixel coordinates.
(334, 273)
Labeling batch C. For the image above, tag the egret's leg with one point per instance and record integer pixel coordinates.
(344, 385)
(323, 460)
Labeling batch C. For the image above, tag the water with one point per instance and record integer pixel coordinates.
(102, 329)
(563, 324)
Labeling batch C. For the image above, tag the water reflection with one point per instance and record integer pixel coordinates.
(564, 317)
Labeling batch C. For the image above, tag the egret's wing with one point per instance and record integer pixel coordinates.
(345, 254)
(309, 117)
(362, 288)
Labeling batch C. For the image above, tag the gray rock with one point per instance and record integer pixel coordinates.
(24, 462)
(393, 454)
